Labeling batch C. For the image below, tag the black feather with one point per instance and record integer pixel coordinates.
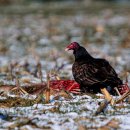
(92, 73)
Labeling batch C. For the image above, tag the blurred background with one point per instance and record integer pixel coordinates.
(7, 2)
(33, 31)
(33, 36)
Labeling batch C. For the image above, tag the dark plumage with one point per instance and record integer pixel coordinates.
(92, 73)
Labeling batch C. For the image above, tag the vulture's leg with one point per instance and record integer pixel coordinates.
(107, 95)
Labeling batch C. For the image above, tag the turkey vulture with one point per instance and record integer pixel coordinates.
(93, 74)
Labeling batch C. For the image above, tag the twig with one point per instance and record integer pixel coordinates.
(107, 95)
(117, 91)
(18, 87)
(11, 71)
(48, 89)
(102, 107)
(40, 71)
(123, 97)
(127, 73)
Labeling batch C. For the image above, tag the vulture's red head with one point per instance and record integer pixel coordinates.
(72, 46)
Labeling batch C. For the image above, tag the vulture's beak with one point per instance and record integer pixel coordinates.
(67, 49)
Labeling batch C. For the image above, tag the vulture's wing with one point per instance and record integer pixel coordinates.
(94, 73)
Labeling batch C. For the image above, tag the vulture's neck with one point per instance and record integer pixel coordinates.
(82, 54)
